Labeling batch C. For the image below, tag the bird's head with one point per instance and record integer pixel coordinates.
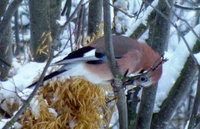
(150, 67)
(149, 77)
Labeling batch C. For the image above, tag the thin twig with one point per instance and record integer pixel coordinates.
(186, 8)
(124, 12)
(67, 4)
(111, 100)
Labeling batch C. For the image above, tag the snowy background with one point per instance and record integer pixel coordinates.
(24, 72)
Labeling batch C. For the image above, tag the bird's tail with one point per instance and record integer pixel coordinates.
(51, 75)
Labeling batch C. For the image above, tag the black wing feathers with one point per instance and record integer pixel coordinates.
(51, 75)
(79, 53)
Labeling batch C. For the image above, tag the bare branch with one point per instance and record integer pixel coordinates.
(121, 103)
(186, 8)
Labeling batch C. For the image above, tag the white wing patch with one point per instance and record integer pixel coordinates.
(90, 53)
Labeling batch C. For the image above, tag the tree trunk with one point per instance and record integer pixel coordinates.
(176, 94)
(40, 29)
(5, 46)
(158, 38)
(196, 104)
(95, 16)
(55, 10)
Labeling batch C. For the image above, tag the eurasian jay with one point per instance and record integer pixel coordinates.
(132, 58)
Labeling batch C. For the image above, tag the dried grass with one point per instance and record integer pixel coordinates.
(78, 103)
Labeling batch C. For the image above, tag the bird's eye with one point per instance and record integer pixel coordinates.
(144, 79)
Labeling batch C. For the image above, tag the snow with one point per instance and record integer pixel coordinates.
(3, 122)
(142, 19)
(25, 20)
(177, 60)
(25, 73)
(53, 111)
(35, 108)
(62, 20)
(72, 123)
(113, 122)
(23, 12)
(17, 125)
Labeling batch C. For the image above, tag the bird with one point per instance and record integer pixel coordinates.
(132, 58)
